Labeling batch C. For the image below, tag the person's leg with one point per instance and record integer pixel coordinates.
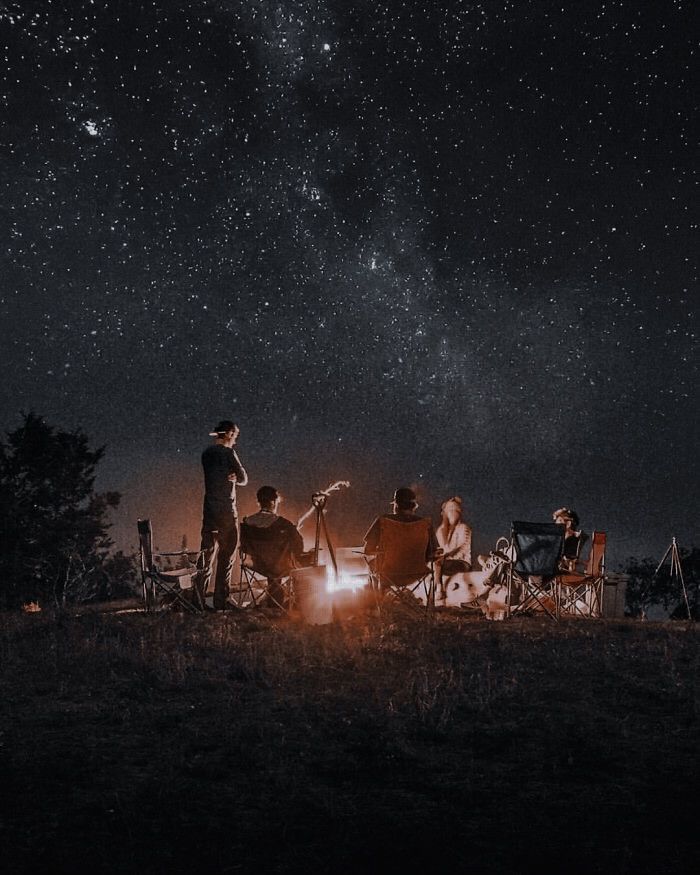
(205, 563)
(228, 539)
(441, 595)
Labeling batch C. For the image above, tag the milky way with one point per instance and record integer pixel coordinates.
(446, 245)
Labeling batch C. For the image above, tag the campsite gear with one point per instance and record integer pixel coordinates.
(267, 561)
(538, 548)
(167, 578)
(400, 569)
(676, 571)
(581, 594)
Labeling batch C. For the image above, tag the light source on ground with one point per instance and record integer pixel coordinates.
(345, 582)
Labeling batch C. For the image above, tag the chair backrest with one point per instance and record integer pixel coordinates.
(269, 549)
(595, 566)
(538, 547)
(145, 544)
(402, 548)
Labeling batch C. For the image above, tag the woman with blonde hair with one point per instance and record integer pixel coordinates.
(455, 538)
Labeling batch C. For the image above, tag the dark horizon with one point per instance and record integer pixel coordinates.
(400, 245)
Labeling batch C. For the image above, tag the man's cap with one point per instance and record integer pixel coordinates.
(405, 497)
(267, 494)
(223, 426)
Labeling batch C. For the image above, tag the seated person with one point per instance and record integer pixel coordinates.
(573, 538)
(455, 538)
(404, 505)
(272, 542)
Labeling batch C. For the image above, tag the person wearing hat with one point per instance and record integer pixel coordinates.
(223, 471)
(404, 505)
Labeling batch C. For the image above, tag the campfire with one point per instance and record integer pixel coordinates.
(352, 574)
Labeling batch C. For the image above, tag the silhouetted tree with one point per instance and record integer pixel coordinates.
(646, 588)
(53, 525)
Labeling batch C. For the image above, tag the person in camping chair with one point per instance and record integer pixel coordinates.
(573, 537)
(272, 543)
(404, 505)
(455, 537)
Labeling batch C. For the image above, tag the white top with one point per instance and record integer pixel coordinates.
(457, 539)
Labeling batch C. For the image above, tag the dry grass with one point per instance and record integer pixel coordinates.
(170, 743)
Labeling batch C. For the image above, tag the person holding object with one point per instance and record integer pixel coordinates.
(223, 471)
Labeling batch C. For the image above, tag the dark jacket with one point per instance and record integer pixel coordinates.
(275, 549)
(219, 462)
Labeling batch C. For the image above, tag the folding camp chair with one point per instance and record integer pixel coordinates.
(581, 594)
(167, 578)
(265, 558)
(401, 569)
(532, 575)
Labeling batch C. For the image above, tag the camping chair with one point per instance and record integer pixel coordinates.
(400, 569)
(265, 556)
(173, 586)
(581, 594)
(533, 572)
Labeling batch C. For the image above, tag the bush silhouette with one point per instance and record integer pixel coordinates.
(54, 543)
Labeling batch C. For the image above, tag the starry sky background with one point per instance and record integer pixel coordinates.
(443, 245)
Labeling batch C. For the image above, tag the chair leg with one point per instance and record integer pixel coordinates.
(430, 596)
(402, 594)
(535, 596)
(375, 588)
(149, 597)
(245, 589)
(199, 582)
(177, 596)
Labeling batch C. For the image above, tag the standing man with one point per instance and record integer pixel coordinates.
(222, 473)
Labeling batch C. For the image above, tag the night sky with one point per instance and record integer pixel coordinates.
(447, 245)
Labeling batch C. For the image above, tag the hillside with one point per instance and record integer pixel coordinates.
(167, 743)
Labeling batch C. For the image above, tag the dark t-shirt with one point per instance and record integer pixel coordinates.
(218, 462)
(572, 546)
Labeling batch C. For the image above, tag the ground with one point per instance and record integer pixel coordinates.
(225, 743)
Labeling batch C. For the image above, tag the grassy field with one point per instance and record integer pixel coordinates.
(170, 744)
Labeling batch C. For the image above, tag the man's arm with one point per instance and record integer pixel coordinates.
(238, 470)
(372, 537)
(297, 542)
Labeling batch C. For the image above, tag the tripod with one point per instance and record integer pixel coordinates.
(318, 506)
(676, 570)
(319, 501)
